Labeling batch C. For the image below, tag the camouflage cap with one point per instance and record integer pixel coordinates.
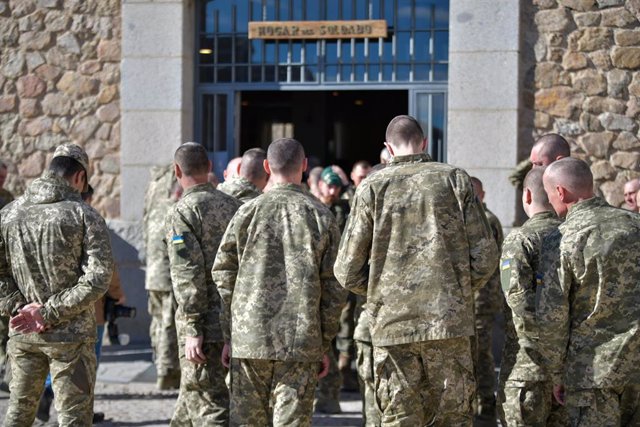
(329, 176)
(75, 152)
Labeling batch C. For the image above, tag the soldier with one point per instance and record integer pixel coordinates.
(195, 225)
(162, 193)
(314, 179)
(361, 169)
(525, 388)
(5, 198)
(385, 156)
(55, 262)
(251, 179)
(431, 249)
(232, 169)
(549, 148)
(630, 190)
(281, 302)
(488, 302)
(590, 304)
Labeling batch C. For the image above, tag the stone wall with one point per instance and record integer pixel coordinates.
(59, 82)
(583, 82)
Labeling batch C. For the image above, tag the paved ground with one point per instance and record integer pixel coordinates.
(126, 393)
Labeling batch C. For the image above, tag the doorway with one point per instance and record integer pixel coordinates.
(335, 127)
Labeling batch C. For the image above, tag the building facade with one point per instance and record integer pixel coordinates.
(132, 79)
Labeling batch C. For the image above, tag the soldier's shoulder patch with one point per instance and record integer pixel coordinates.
(177, 239)
(506, 264)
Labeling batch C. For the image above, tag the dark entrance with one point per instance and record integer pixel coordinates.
(336, 127)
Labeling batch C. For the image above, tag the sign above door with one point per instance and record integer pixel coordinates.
(279, 30)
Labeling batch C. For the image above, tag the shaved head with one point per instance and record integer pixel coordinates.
(232, 168)
(572, 174)
(285, 156)
(533, 183)
(251, 165)
(548, 149)
(404, 131)
(478, 190)
(192, 159)
(630, 190)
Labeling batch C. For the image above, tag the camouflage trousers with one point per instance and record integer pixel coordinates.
(531, 404)
(4, 339)
(329, 386)
(425, 383)
(164, 341)
(73, 374)
(203, 399)
(272, 392)
(604, 407)
(344, 339)
(364, 363)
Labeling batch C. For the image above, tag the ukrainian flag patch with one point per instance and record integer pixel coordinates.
(178, 239)
(505, 264)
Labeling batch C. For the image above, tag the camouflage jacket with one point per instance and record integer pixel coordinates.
(195, 226)
(418, 245)
(590, 303)
(5, 197)
(488, 300)
(157, 202)
(340, 210)
(520, 273)
(240, 188)
(274, 272)
(54, 250)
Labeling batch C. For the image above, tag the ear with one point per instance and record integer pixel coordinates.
(425, 143)
(527, 196)
(265, 165)
(386, 144)
(563, 194)
(210, 166)
(177, 170)
(238, 168)
(305, 163)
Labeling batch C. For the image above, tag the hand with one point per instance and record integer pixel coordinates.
(193, 350)
(226, 355)
(558, 393)
(122, 300)
(29, 319)
(324, 367)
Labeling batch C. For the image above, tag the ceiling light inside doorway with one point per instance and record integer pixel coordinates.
(206, 51)
(359, 102)
(334, 93)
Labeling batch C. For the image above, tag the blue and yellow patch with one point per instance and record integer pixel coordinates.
(178, 239)
(505, 264)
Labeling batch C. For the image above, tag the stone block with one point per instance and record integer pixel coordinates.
(549, 74)
(579, 5)
(626, 141)
(617, 83)
(634, 87)
(47, 72)
(153, 29)
(30, 86)
(56, 104)
(612, 121)
(567, 127)
(626, 57)
(90, 67)
(108, 113)
(57, 21)
(499, 143)
(627, 37)
(49, 4)
(36, 126)
(601, 59)
(7, 103)
(612, 192)
(602, 170)
(109, 50)
(590, 39)
(110, 164)
(107, 94)
(542, 120)
(589, 82)
(590, 123)
(609, 3)
(633, 107)
(83, 128)
(13, 63)
(574, 61)
(552, 20)
(618, 17)
(34, 60)
(35, 40)
(134, 180)
(68, 43)
(150, 137)
(596, 144)
(559, 101)
(32, 166)
(477, 26)
(153, 84)
(626, 160)
(29, 108)
(587, 19)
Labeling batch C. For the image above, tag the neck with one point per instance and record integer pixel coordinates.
(406, 151)
(284, 179)
(187, 182)
(536, 209)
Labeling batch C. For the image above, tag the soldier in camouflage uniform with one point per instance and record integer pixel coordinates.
(5, 198)
(488, 302)
(590, 303)
(418, 245)
(162, 193)
(195, 225)
(525, 389)
(251, 179)
(549, 148)
(328, 394)
(55, 262)
(281, 302)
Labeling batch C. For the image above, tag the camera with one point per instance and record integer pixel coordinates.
(112, 311)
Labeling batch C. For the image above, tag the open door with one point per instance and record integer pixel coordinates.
(216, 127)
(430, 109)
